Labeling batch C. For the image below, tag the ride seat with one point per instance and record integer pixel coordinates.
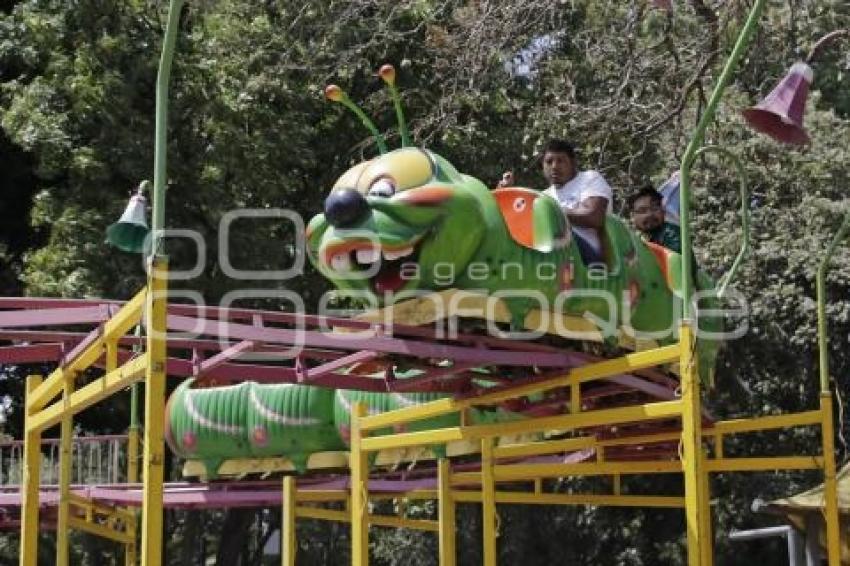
(661, 255)
(611, 249)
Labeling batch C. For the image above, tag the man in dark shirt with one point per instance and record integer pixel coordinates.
(648, 217)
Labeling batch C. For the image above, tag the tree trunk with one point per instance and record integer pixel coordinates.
(233, 537)
(191, 532)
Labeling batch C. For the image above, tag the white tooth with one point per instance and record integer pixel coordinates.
(370, 255)
(395, 254)
(341, 262)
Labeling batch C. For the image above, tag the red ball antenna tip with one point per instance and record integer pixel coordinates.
(387, 73)
(333, 92)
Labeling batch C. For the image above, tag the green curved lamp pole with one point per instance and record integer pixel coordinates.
(745, 214)
(826, 40)
(697, 141)
(842, 232)
(154, 445)
(830, 491)
(161, 139)
(821, 294)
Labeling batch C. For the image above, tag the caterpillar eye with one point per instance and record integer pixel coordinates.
(382, 187)
(519, 204)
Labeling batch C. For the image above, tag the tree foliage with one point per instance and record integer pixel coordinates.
(484, 83)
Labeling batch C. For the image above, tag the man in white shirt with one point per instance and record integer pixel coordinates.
(584, 196)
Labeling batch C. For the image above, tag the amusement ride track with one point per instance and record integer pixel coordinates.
(220, 346)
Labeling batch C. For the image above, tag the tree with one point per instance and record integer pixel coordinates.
(484, 84)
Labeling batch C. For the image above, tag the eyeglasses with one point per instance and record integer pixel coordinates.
(647, 209)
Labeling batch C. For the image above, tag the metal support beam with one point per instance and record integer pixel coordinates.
(693, 457)
(115, 327)
(133, 453)
(155, 317)
(631, 414)
(446, 510)
(65, 459)
(705, 505)
(795, 543)
(31, 481)
(98, 530)
(376, 520)
(359, 465)
(131, 547)
(589, 372)
(156, 305)
(828, 433)
(736, 426)
(133, 431)
(288, 545)
(523, 498)
(89, 394)
(101, 520)
(488, 502)
(830, 484)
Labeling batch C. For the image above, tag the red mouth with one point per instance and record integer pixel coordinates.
(389, 268)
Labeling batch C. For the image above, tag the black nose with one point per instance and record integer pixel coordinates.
(345, 208)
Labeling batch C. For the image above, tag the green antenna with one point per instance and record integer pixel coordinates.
(333, 92)
(387, 72)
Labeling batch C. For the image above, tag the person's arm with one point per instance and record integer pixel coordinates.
(596, 194)
(507, 180)
(589, 214)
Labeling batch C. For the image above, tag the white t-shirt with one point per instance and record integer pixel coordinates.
(575, 191)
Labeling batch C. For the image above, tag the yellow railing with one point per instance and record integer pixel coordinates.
(583, 374)
(701, 453)
(41, 414)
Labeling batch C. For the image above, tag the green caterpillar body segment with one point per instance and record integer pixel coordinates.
(251, 420)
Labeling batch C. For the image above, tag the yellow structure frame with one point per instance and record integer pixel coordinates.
(41, 413)
(695, 463)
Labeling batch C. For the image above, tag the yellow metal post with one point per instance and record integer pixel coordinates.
(575, 397)
(588, 372)
(131, 550)
(287, 528)
(696, 511)
(830, 485)
(446, 505)
(488, 502)
(830, 493)
(705, 504)
(31, 481)
(155, 307)
(133, 455)
(155, 310)
(133, 430)
(65, 454)
(359, 465)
